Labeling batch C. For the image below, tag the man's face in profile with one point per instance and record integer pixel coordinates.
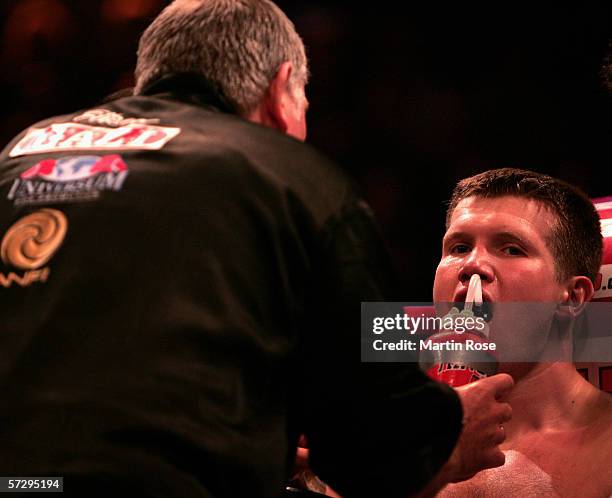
(503, 240)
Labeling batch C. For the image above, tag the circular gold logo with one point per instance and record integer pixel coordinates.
(33, 240)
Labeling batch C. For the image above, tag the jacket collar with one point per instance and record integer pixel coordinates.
(191, 87)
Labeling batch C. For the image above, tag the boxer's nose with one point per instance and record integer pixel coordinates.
(478, 262)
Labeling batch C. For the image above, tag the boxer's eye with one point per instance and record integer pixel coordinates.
(513, 251)
(460, 249)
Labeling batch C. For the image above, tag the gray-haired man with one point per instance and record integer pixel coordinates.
(182, 288)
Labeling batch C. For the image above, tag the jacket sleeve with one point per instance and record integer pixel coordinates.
(374, 429)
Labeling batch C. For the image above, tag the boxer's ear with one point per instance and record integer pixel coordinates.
(579, 291)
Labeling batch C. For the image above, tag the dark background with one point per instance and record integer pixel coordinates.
(409, 101)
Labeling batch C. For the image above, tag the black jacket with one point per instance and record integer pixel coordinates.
(180, 300)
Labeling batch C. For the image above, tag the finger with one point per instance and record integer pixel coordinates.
(502, 384)
(301, 460)
(493, 458)
(498, 459)
(505, 413)
(500, 435)
(302, 455)
(303, 442)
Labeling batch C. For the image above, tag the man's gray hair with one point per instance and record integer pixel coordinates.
(237, 45)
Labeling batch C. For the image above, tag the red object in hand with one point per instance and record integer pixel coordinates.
(455, 374)
(454, 367)
(460, 366)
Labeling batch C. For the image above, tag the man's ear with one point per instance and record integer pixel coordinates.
(279, 95)
(273, 109)
(579, 291)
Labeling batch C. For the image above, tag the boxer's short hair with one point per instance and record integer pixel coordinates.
(575, 241)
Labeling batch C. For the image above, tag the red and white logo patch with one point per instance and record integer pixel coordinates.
(60, 137)
(69, 179)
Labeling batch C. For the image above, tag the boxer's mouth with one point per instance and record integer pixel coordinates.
(460, 297)
(474, 299)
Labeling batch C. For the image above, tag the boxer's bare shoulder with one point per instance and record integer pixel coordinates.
(550, 464)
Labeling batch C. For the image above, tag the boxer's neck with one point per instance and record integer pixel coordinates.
(550, 397)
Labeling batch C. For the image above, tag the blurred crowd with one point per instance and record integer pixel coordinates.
(408, 102)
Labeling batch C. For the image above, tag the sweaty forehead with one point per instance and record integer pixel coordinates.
(508, 213)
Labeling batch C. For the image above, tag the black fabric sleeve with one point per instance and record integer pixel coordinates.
(374, 430)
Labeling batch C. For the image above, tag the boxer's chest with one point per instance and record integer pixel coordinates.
(518, 477)
(552, 470)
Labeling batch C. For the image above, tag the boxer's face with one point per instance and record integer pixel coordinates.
(504, 241)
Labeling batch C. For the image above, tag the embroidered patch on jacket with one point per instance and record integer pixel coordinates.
(29, 244)
(104, 117)
(67, 179)
(59, 137)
